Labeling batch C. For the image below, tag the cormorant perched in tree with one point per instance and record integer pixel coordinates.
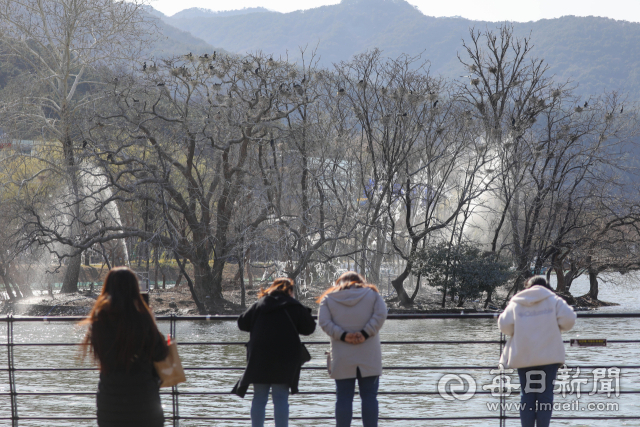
(160, 84)
(513, 121)
(84, 143)
(622, 109)
(435, 104)
(144, 66)
(341, 91)
(586, 104)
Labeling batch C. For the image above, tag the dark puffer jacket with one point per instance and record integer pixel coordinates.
(128, 398)
(273, 352)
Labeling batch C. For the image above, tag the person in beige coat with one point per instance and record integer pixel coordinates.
(534, 320)
(352, 313)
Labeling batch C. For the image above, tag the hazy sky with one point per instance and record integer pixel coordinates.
(487, 10)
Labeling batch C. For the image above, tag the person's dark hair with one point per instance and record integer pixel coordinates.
(120, 312)
(347, 280)
(281, 284)
(537, 281)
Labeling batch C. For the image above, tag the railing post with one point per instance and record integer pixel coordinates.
(174, 389)
(503, 419)
(12, 380)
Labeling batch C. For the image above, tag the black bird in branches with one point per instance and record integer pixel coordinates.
(110, 157)
(435, 104)
(272, 142)
(144, 66)
(160, 84)
(586, 104)
(513, 121)
(304, 79)
(84, 144)
(257, 70)
(135, 101)
(622, 109)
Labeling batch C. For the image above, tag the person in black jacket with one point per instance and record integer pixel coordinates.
(274, 349)
(124, 339)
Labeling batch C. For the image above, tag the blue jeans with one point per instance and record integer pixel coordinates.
(536, 400)
(345, 390)
(280, 395)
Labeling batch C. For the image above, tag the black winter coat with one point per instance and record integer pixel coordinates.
(131, 398)
(273, 351)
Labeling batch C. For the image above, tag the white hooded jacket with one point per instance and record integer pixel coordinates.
(353, 310)
(534, 320)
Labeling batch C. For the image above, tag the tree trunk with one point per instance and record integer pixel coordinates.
(488, 300)
(397, 284)
(12, 296)
(71, 275)
(25, 289)
(209, 279)
(593, 284)
(196, 300)
(156, 261)
(415, 292)
(243, 302)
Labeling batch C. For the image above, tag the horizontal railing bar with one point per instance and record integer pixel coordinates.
(317, 368)
(223, 393)
(491, 315)
(623, 418)
(309, 343)
(244, 343)
(355, 418)
(271, 419)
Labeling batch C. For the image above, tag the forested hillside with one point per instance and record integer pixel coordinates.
(597, 53)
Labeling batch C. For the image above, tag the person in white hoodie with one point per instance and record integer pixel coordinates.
(352, 313)
(534, 320)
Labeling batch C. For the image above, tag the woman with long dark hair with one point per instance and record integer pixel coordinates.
(124, 340)
(274, 349)
(352, 313)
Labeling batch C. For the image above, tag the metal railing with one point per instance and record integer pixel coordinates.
(175, 393)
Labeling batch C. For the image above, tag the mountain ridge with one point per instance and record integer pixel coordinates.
(597, 53)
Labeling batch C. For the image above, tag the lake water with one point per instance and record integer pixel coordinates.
(391, 405)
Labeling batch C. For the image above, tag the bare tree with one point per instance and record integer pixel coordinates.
(60, 45)
(183, 138)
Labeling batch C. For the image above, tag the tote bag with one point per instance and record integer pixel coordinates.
(170, 369)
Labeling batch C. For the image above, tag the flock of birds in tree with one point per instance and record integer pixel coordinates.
(495, 97)
(413, 98)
